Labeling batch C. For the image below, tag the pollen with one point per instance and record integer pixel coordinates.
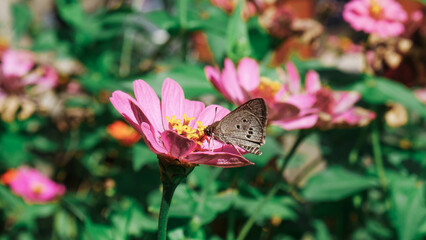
(183, 128)
(375, 9)
(267, 88)
(37, 188)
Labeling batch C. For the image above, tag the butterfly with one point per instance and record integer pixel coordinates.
(244, 127)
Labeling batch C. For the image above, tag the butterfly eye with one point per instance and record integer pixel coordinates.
(251, 129)
(244, 120)
(250, 132)
(238, 126)
(248, 136)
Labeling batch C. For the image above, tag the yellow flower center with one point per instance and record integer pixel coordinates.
(375, 9)
(37, 188)
(267, 88)
(196, 134)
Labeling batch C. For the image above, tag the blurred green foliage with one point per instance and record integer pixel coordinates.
(347, 200)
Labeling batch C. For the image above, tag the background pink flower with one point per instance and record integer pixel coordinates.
(244, 83)
(18, 69)
(290, 105)
(383, 17)
(33, 186)
(174, 127)
(332, 108)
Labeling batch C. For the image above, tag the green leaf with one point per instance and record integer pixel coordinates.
(142, 156)
(408, 211)
(140, 222)
(190, 77)
(217, 43)
(378, 90)
(321, 231)
(183, 13)
(65, 225)
(162, 20)
(22, 17)
(336, 183)
(177, 234)
(97, 231)
(270, 149)
(13, 151)
(238, 39)
(43, 143)
(282, 207)
(422, 1)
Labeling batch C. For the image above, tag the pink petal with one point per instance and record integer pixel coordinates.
(16, 63)
(302, 101)
(213, 75)
(172, 98)
(128, 108)
(280, 111)
(348, 117)
(224, 160)
(304, 122)
(50, 78)
(281, 93)
(294, 78)
(149, 103)
(193, 109)
(344, 101)
(230, 83)
(176, 145)
(248, 74)
(312, 82)
(152, 139)
(212, 113)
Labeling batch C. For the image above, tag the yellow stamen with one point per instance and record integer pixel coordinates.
(267, 88)
(375, 9)
(196, 134)
(37, 188)
(186, 119)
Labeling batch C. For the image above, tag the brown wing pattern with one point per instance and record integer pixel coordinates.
(245, 126)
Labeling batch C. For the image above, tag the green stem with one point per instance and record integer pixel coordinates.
(126, 51)
(250, 222)
(275, 187)
(354, 154)
(168, 190)
(172, 173)
(377, 152)
(231, 225)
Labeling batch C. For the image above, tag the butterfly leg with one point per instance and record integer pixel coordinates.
(212, 140)
(236, 149)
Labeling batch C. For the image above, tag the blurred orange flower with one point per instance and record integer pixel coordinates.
(124, 134)
(8, 176)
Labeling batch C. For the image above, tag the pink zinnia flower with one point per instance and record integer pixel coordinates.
(174, 128)
(333, 108)
(244, 83)
(21, 79)
(32, 185)
(383, 17)
(290, 105)
(18, 69)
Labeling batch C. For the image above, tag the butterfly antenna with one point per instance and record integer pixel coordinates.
(212, 136)
(215, 111)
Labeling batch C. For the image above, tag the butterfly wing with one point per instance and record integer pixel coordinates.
(245, 126)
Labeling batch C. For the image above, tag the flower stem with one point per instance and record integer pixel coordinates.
(275, 187)
(166, 200)
(377, 152)
(172, 174)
